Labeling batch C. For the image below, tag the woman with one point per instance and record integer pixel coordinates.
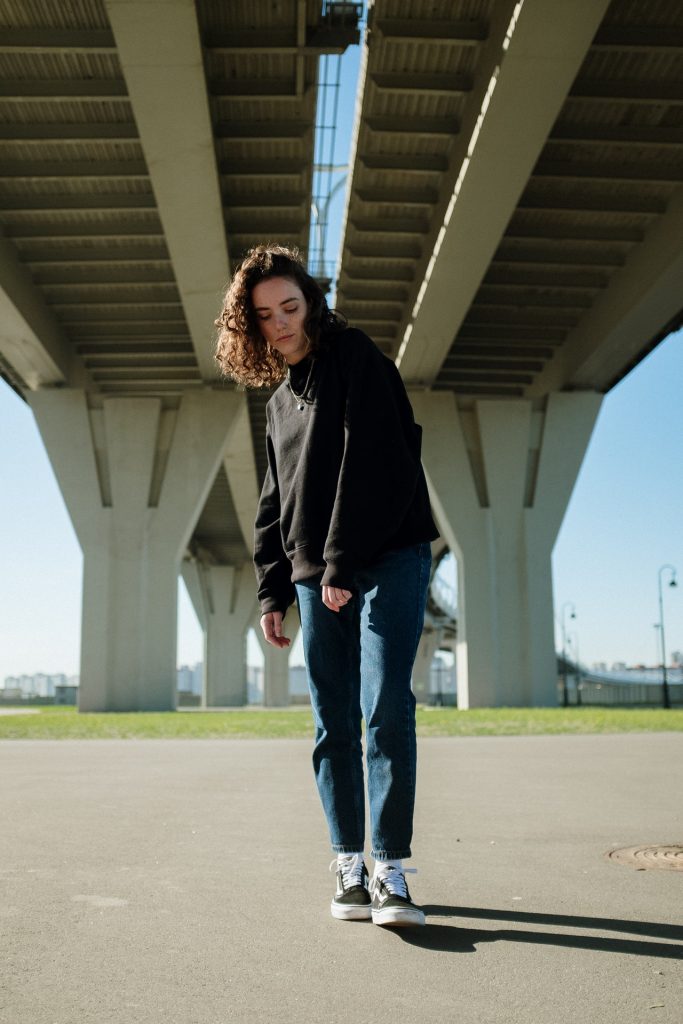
(343, 527)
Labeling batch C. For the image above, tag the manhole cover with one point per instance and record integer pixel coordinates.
(645, 857)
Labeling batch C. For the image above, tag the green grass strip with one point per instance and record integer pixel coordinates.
(296, 723)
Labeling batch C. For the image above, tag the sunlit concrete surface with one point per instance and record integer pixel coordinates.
(186, 882)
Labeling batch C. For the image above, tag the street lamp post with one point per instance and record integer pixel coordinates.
(565, 694)
(577, 663)
(655, 626)
(666, 701)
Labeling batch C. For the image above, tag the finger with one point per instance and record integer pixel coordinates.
(267, 626)
(280, 641)
(327, 601)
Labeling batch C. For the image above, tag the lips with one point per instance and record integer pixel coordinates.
(285, 337)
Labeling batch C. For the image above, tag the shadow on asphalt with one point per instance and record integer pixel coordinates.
(454, 939)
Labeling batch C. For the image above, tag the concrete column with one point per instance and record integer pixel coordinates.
(500, 475)
(134, 475)
(427, 648)
(224, 598)
(276, 661)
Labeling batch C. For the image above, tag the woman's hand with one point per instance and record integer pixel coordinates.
(271, 624)
(335, 598)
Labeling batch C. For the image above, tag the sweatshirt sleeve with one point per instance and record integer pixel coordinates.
(273, 568)
(380, 464)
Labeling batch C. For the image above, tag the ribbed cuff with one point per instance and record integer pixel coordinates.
(273, 604)
(338, 575)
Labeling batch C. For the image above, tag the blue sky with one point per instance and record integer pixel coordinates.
(623, 521)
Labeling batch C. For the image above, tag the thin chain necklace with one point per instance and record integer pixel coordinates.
(301, 399)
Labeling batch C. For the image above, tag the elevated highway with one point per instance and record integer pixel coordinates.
(512, 238)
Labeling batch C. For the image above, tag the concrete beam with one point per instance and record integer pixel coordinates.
(525, 74)
(434, 31)
(164, 72)
(240, 468)
(58, 90)
(642, 297)
(431, 83)
(31, 340)
(41, 40)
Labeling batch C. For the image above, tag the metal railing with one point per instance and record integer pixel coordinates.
(603, 692)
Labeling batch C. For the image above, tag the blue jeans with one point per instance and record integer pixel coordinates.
(359, 660)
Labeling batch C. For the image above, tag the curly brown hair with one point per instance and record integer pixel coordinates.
(241, 350)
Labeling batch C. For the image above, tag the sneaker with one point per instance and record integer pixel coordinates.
(391, 902)
(352, 900)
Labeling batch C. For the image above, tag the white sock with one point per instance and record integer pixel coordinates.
(381, 864)
(344, 856)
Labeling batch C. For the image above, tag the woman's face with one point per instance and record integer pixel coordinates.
(281, 311)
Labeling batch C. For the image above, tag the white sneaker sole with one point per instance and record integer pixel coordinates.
(399, 917)
(350, 912)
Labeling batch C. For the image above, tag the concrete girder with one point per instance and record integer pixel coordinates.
(240, 468)
(643, 296)
(31, 340)
(500, 476)
(523, 80)
(164, 72)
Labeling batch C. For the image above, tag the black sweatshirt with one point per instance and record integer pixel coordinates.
(344, 482)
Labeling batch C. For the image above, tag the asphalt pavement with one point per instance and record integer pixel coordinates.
(186, 882)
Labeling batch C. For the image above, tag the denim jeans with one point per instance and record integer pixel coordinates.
(359, 661)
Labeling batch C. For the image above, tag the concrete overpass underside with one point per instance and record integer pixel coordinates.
(512, 238)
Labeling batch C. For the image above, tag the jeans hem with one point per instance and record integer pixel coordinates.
(348, 848)
(398, 854)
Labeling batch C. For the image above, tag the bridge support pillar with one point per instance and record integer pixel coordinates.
(276, 662)
(134, 475)
(500, 475)
(427, 648)
(223, 597)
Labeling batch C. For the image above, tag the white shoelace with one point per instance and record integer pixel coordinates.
(351, 869)
(394, 880)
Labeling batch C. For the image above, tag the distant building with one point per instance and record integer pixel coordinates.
(190, 679)
(39, 685)
(198, 679)
(66, 694)
(443, 688)
(298, 685)
(11, 692)
(254, 684)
